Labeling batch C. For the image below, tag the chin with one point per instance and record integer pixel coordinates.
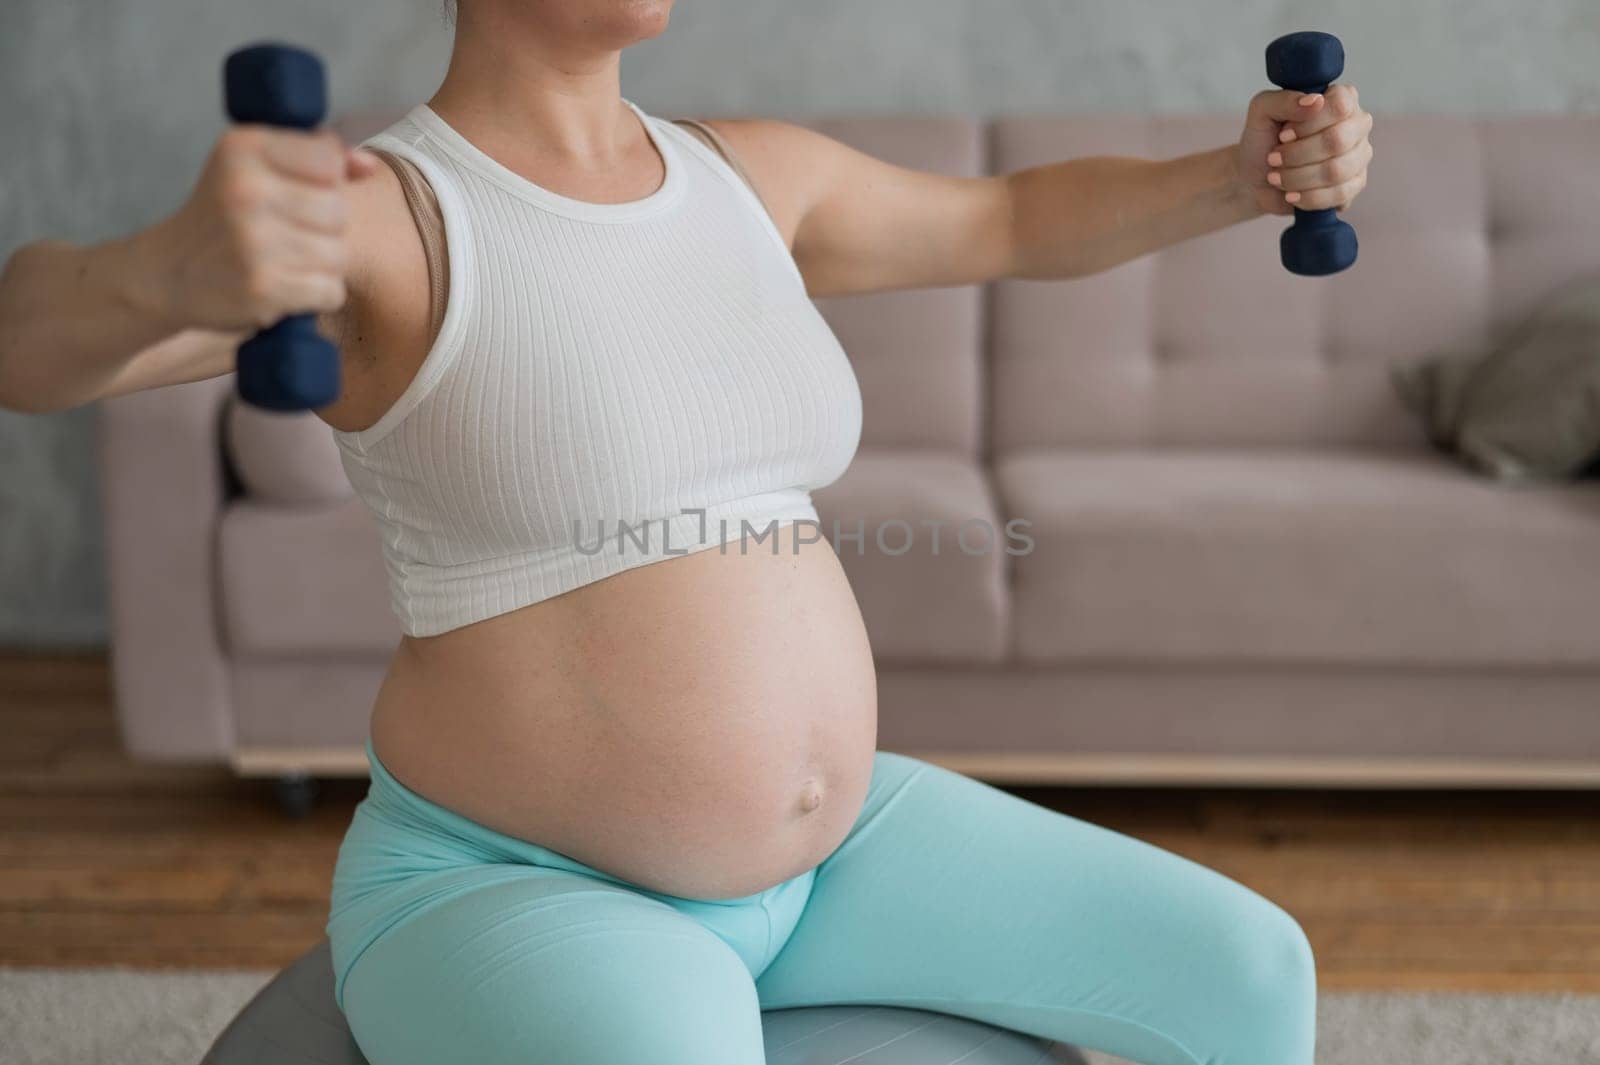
(620, 22)
(652, 16)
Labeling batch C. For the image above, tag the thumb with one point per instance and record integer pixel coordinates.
(1275, 107)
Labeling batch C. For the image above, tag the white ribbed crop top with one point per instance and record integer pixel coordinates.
(603, 373)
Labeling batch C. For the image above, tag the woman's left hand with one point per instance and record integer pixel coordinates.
(1305, 150)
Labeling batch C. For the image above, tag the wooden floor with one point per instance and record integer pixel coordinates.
(106, 862)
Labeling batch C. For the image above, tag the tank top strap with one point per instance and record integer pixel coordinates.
(719, 144)
(424, 206)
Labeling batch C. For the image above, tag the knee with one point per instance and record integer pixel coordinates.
(1267, 981)
(1284, 962)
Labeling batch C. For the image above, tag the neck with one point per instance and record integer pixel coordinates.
(550, 95)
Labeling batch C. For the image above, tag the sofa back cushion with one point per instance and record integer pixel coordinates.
(917, 355)
(1212, 343)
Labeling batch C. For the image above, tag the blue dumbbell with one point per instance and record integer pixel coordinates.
(288, 366)
(1319, 242)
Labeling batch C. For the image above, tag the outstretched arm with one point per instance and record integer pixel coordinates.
(262, 235)
(858, 224)
(81, 323)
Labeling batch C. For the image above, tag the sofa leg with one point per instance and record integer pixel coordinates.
(297, 794)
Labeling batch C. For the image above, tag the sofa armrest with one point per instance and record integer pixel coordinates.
(162, 491)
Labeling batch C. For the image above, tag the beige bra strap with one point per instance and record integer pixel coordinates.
(430, 227)
(719, 144)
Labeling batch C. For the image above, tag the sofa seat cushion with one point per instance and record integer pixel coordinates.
(303, 580)
(1377, 558)
(896, 519)
(310, 580)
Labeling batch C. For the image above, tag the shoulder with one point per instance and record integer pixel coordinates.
(768, 135)
(792, 166)
(380, 223)
(383, 329)
(379, 239)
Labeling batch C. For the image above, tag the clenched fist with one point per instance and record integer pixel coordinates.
(263, 234)
(1305, 150)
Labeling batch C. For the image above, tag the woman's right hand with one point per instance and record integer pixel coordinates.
(263, 235)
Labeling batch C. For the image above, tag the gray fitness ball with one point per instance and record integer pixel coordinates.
(294, 1021)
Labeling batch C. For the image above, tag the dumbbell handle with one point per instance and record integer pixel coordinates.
(1320, 242)
(288, 366)
(1327, 215)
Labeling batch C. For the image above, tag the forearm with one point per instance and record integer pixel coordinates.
(73, 318)
(1087, 215)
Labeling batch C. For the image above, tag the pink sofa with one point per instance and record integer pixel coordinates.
(1248, 567)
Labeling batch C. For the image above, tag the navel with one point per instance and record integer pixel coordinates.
(810, 796)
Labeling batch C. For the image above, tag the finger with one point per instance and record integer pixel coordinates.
(360, 163)
(307, 294)
(316, 158)
(1272, 108)
(1334, 141)
(323, 211)
(1330, 172)
(1339, 103)
(1336, 196)
(314, 253)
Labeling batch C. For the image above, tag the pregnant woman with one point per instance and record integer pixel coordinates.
(625, 791)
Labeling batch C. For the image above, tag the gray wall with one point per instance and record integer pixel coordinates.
(110, 108)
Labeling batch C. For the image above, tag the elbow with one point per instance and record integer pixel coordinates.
(24, 392)
(15, 396)
(24, 403)
(17, 392)
(1013, 252)
(12, 397)
(1050, 233)
(1032, 244)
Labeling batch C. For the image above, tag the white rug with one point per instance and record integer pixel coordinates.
(132, 1017)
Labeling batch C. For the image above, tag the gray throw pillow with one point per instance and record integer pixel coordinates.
(1529, 411)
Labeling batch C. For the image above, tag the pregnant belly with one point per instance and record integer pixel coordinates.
(703, 726)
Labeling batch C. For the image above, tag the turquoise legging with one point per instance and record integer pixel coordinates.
(454, 943)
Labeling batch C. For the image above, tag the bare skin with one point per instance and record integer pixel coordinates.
(704, 725)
